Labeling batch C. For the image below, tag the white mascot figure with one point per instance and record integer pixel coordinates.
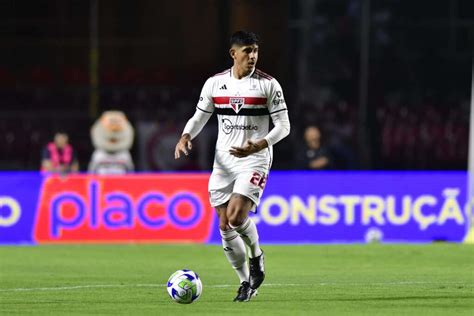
(112, 137)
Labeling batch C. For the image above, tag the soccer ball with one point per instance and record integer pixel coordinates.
(184, 286)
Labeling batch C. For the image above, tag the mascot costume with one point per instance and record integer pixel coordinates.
(112, 137)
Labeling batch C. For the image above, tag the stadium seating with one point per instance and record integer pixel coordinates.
(39, 100)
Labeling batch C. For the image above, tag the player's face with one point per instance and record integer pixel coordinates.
(245, 57)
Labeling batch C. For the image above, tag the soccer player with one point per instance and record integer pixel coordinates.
(244, 99)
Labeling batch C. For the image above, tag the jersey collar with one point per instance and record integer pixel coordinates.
(243, 78)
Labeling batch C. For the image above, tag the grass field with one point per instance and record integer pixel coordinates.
(371, 279)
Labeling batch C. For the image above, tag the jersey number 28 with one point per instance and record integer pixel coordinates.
(259, 180)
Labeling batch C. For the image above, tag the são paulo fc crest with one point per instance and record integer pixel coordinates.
(237, 104)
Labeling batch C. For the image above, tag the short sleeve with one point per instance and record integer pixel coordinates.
(276, 101)
(205, 103)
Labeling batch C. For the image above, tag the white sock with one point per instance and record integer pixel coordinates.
(234, 249)
(248, 232)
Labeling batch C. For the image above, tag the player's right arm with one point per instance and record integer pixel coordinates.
(204, 110)
(184, 144)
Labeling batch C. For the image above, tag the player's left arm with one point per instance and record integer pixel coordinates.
(279, 114)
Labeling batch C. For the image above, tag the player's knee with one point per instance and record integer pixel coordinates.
(224, 226)
(223, 222)
(236, 215)
(235, 219)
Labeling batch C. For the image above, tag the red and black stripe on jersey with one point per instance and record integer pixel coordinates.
(245, 111)
(247, 100)
(263, 74)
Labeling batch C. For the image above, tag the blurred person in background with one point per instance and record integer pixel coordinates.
(244, 98)
(313, 156)
(112, 136)
(59, 156)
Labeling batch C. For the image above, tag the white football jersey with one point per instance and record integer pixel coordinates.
(243, 106)
(105, 163)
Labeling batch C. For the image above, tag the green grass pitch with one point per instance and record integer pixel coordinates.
(436, 279)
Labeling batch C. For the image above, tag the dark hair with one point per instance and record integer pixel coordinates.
(243, 38)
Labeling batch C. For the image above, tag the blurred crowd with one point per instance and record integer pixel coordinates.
(426, 134)
(419, 76)
(423, 136)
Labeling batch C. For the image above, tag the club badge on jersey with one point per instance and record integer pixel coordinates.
(237, 104)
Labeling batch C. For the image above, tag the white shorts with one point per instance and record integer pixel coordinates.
(245, 176)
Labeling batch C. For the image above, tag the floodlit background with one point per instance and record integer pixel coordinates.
(387, 81)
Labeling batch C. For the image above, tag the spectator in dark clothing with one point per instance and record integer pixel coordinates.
(313, 155)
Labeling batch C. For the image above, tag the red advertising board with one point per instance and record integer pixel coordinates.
(138, 208)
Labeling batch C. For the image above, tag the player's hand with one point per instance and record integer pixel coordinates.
(184, 145)
(250, 147)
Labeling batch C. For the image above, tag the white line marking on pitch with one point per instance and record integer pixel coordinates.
(99, 286)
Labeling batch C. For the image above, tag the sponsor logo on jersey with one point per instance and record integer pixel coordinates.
(237, 104)
(278, 99)
(224, 87)
(228, 127)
